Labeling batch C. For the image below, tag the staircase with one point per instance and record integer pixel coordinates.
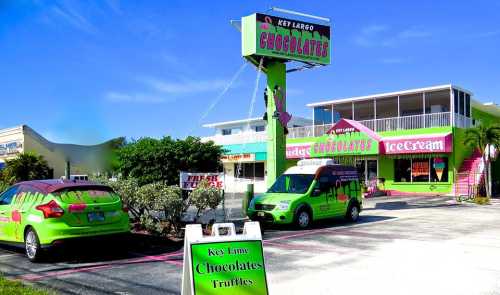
(470, 175)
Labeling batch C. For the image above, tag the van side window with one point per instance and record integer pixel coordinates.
(7, 196)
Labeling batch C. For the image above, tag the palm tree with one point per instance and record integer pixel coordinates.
(26, 166)
(484, 137)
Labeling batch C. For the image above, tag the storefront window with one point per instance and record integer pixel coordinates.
(421, 170)
(402, 170)
(249, 170)
(439, 169)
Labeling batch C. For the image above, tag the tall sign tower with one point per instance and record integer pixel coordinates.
(270, 42)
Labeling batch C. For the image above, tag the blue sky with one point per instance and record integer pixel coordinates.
(87, 71)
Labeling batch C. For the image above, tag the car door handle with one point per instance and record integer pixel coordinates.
(2, 212)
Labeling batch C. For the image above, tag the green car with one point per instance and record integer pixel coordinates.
(314, 189)
(44, 213)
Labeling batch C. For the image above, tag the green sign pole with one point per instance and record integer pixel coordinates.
(276, 141)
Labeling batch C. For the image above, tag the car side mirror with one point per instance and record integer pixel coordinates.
(316, 192)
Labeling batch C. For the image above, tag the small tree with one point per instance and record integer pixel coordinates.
(482, 138)
(26, 166)
(204, 196)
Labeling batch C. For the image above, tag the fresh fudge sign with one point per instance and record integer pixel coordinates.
(418, 145)
(235, 267)
(272, 36)
(190, 181)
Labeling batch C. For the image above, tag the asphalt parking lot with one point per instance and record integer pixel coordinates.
(418, 245)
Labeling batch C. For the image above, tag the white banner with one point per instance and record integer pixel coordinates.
(189, 181)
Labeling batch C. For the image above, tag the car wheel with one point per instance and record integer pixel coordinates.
(303, 219)
(32, 245)
(352, 213)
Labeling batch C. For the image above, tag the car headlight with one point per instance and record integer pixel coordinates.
(283, 205)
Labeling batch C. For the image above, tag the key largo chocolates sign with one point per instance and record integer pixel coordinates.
(278, 37)
(224, 264)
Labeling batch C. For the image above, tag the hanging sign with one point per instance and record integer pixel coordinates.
(189, 181)
(238, 158)
(287, 39)
(224, 263)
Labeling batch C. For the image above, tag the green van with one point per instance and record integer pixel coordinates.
(314, 189)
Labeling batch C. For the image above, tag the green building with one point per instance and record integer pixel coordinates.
(405, 142)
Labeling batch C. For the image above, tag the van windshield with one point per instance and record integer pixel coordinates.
(292, 183)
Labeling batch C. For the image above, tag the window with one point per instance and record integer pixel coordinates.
(226, 131)
(249, 170)
(439, 170)
(412, 104)
(421, 170)
(322, 115)
(260, 128)
(467, 105)
(437, 102)
(461, 103)
(387, 107)
(364, 110)
(7, 196)
(342, 111)
(455, 100)
(402, 170)
(292, 183)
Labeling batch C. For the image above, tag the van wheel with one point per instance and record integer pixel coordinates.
(352, 213)
(32, 245)
(303, 219)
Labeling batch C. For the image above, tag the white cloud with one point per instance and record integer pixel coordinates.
(71, 16)
(382, 35)
(185, 86)
(394, 60)
(120, 97)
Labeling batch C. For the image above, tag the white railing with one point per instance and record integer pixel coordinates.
(239, 138)
(462, 121)
(385, 124)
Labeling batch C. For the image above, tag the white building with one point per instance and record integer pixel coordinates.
(246, 153)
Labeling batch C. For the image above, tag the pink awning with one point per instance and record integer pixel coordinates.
(417, 144)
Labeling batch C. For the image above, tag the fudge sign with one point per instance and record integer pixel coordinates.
(189, 181)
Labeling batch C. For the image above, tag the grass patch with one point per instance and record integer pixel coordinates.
(9, 287)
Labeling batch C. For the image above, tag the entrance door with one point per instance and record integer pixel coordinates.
(367, 170)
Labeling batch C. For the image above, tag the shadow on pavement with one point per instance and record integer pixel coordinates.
(327, 223)
(401, 205)
(102, 249)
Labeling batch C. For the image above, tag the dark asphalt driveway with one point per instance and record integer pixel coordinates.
(141, 265)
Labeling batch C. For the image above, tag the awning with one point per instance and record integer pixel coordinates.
(417, 144)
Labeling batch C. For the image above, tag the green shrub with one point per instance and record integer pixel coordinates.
(204, 196)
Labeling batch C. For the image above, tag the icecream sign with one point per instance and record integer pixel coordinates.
(272, 36)
(418, 145)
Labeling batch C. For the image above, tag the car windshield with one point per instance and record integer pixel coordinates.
(292, 183)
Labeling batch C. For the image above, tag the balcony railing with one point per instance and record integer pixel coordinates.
(390, 124)
(239, 138)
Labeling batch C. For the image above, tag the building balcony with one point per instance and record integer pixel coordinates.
(238, 138)
(392, 124)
